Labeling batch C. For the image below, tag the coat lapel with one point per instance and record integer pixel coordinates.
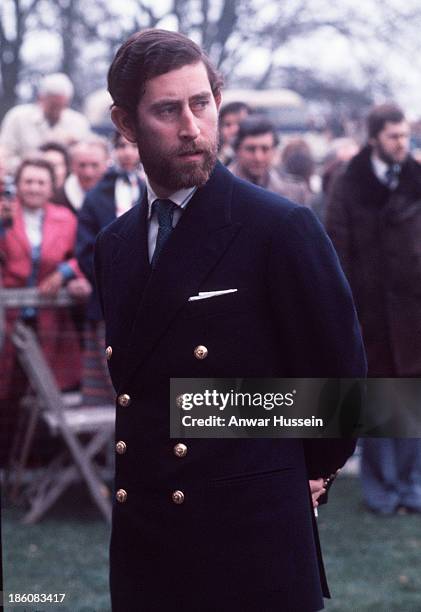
(196, 244)
(49, 231)
(130, 265)
(132, 240)
(19, 233)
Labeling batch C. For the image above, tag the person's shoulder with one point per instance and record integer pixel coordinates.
(414, 166)
(411, 178)
(123, 224)
(122, 230)
(260, 202)
(358, 165)
(21, 111)
(60, 198)
(271, 217)
(60, 213)
(99, 202)
(72, 115)
(104, 187)
(352, 178)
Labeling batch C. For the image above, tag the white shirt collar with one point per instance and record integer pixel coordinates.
(379, 167)
(33, 219)
(181, 197)
(74, 192)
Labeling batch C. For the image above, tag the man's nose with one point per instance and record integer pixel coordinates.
(259, 155)
(188, 125)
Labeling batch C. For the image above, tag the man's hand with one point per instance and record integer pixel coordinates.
(317, 490)
(79, 288)
(51, 284)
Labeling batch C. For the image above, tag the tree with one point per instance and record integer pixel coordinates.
(15, 21)
(286, 36)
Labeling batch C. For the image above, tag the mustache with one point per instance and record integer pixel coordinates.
(193, 148)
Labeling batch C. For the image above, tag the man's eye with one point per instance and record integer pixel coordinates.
(200, 104)
(167, 111)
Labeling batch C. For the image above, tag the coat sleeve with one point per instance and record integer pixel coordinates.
(10, 136)
(98, 268)
(69, 265)
(338, 223)
(309, 290)
(312, 301)
(87, 231)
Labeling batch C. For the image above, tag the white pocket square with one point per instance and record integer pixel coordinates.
(204, 295)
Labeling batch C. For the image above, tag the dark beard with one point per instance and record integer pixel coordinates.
(388, 159)
(169, 171)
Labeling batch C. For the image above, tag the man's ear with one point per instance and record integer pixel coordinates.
(123, 123)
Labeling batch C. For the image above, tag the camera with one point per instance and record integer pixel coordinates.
(7, 194)
(9, 190)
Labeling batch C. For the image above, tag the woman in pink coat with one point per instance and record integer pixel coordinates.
(37, 241)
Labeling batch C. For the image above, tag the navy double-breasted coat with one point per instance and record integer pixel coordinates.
(244, 537)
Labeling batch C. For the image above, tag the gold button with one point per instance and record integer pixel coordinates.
(124, 400)
(180, 450)
(108, 352)
(200, 352)
(179, 400)
(121, 496)
(178, 497)
(121, 447)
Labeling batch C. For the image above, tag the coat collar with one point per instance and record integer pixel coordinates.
(196, 244)
(19, 231)
(52, 213)
(360, 170)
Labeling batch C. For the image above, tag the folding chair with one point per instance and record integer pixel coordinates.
(85, 432)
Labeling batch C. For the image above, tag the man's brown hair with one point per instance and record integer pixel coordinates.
(382, 114)
(148, 54)
(36, 162)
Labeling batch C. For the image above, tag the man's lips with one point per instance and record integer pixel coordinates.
(190, 153)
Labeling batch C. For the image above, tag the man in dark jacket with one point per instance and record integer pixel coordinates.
(374, 220)
(255, 148)
(211, 524)
(89, 159)
(119, 189)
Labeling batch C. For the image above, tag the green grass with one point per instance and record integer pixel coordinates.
(67, 552)
(373, 564)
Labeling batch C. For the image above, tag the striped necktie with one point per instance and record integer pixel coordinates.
(164, 210)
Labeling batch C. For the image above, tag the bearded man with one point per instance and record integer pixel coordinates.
(207, 524)
(374, 220)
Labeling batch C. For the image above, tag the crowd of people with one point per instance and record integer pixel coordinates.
(61, 183)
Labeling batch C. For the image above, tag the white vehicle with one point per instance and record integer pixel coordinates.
(286, 108)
